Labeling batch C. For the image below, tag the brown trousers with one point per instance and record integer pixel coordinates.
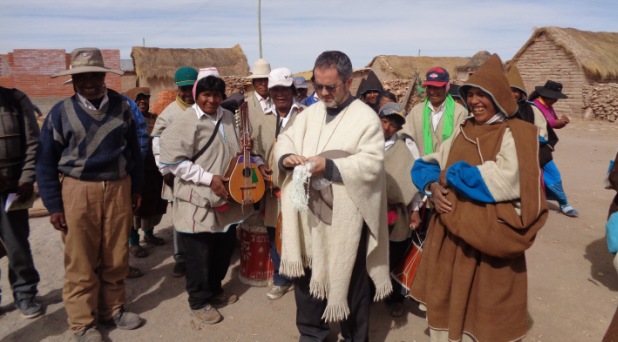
(96, 257)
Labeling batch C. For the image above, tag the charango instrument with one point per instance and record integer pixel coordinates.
(246, 184)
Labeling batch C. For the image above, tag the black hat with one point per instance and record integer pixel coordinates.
(454, 91)
(551, 90)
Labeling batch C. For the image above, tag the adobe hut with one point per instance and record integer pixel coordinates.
(155, 67)
(585, 62)
(463, 72)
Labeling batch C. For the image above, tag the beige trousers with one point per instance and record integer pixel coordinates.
(96, 257)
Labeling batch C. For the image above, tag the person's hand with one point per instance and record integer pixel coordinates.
(319, 164)
(266, 172)
(415, 220)
(136, 202)
(440, 202)
(563, 121)
(24, 191)
(293, 160)
(246, 142)
(217, 186)
(58, 222)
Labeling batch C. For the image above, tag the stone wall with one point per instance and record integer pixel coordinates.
(544, 60)
(600, 101)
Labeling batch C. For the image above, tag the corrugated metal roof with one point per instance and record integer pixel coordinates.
(127, 65)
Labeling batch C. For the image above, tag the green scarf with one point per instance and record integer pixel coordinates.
(447, 126)
(182, 104)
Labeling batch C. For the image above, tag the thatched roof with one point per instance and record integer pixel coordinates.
(595, 52)
(405, 67)
(476, 61)
(163, 63)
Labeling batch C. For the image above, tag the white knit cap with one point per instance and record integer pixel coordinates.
(211, 71)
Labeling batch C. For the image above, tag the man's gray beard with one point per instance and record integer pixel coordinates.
(331, 104)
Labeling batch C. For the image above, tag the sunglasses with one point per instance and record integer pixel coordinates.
(329, 88)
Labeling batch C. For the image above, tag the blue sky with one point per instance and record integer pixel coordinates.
(295, 32)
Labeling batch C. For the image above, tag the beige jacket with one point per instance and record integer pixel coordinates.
(194, 206)
(413, 127)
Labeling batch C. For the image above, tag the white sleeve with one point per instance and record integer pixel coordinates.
(190, 172)
(417, 201)
(156, 151)
(412, 147)
(258, 160)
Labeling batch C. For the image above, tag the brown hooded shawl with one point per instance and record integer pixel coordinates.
(472, 277)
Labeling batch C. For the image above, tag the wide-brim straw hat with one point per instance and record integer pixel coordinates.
(261, 69)
(84, 60)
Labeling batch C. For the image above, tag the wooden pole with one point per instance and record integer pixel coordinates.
(260, 24)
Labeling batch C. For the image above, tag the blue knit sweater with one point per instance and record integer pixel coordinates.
(88, 145)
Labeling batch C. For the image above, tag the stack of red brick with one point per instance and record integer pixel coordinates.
(29, 70)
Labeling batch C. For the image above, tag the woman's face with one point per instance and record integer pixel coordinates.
(480, 104)
(209, 101)
(549, 102)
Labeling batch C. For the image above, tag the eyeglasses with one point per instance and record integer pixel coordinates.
(329, 88)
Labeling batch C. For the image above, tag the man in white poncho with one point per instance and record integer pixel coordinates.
(333, 264)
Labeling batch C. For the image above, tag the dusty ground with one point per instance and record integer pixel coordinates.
(572, 283)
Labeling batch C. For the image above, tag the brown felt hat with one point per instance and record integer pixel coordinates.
(133, 93)
(85, 60)
(491, 79)
(515, 80)
(321, 201)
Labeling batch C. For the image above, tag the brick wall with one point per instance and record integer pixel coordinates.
(29, 70)
(164, 98)
(543, 61)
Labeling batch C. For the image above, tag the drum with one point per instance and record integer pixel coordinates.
(256, 268)
(405, 271)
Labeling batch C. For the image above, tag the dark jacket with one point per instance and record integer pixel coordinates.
(19, 138)
(546, 149)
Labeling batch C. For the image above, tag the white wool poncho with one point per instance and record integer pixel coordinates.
(330, 250)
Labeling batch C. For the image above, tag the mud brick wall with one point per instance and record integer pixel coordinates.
(543, 61)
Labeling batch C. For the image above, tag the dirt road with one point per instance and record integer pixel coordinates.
(572, 283)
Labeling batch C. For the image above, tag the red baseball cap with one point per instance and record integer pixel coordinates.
(437, 77)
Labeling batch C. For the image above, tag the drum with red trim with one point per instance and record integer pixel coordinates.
(405, 271)
(256, 268)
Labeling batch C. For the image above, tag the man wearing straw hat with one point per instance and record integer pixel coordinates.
(260, 101)
(90, 138)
